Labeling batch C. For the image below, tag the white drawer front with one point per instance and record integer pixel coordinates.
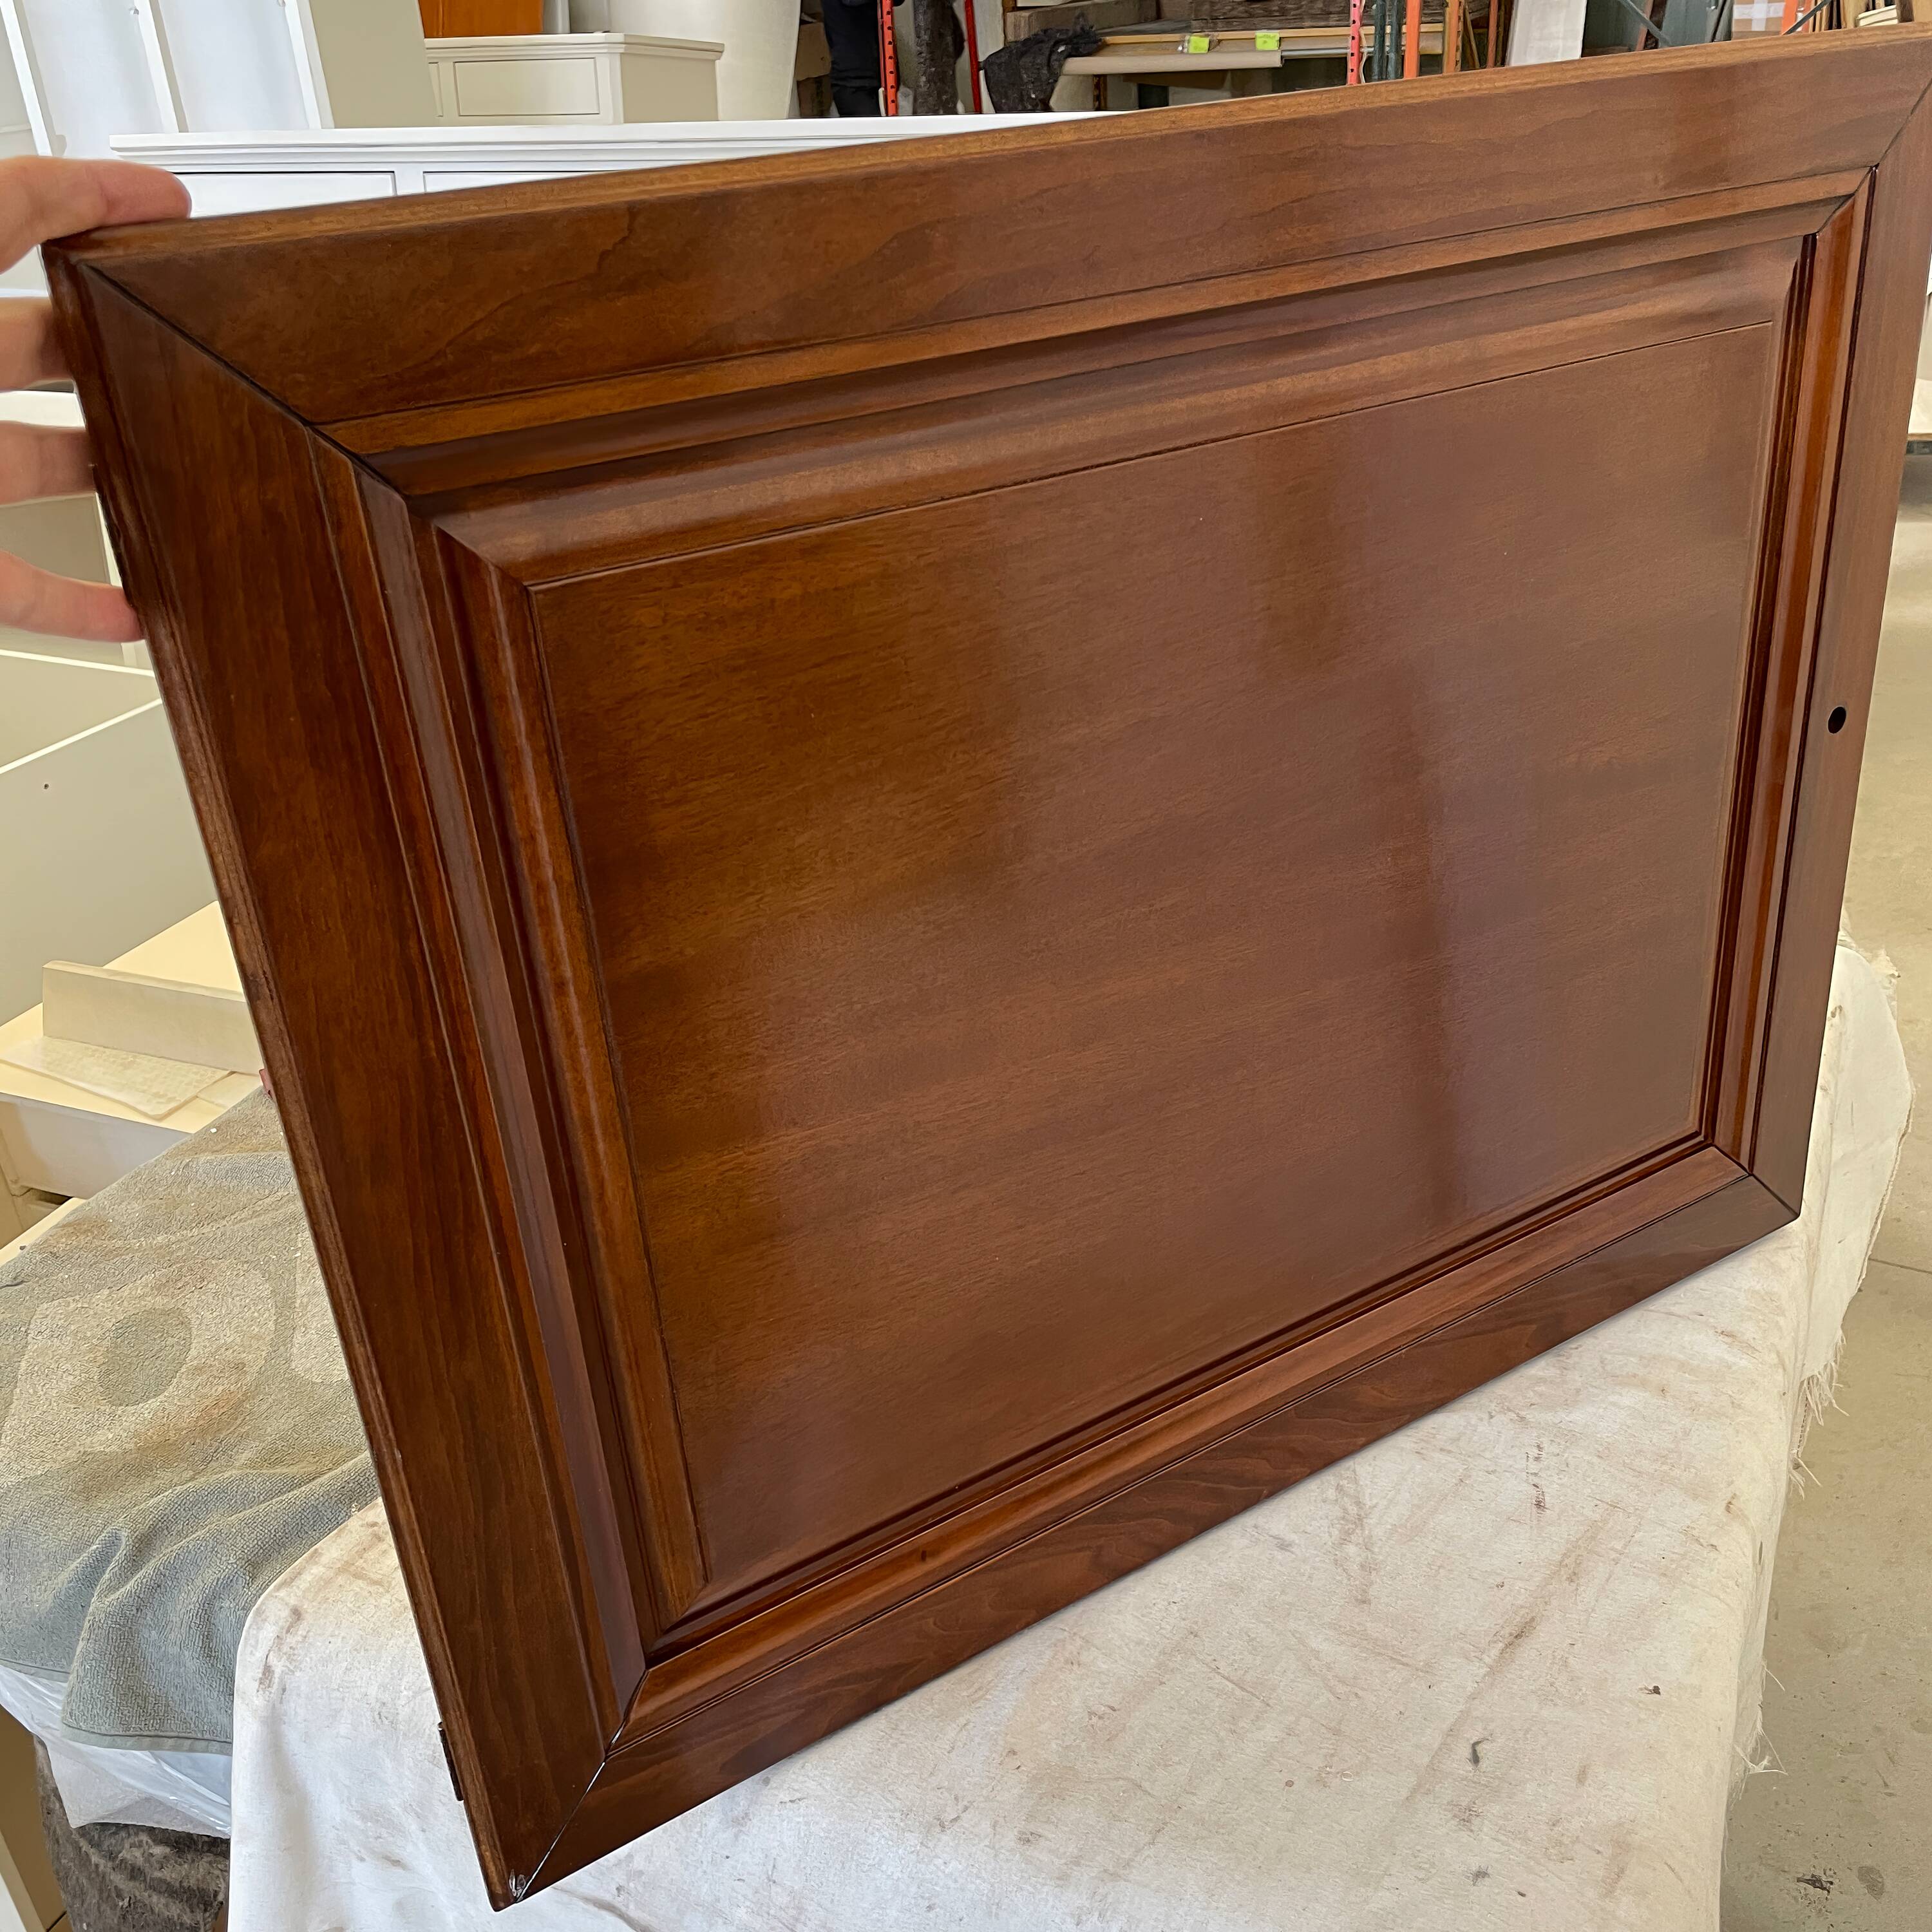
(509, 89)
(436, 178)
(238, 193)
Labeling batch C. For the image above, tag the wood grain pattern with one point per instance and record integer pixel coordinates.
(1058, 982)
(1000, 917)
(617, 273)
(439, 1373)
(451, 18)
(665, 1772)
(1878, 387)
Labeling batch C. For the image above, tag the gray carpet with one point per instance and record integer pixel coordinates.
(131, 1878)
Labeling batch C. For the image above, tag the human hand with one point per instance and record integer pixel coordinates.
(40, 199)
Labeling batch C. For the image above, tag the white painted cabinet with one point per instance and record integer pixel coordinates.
(759, 39)
(62, 1138)
(228, 174)
(98, 845)
(90, 70)
(573, 79)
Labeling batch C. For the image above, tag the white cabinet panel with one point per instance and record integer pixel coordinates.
(451, 178)
(496, 90)
(241, 194)
(98, 845)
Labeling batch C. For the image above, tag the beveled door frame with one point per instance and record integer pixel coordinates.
(529, 1451)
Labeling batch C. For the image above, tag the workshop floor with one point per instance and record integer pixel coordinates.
(1842, 1837)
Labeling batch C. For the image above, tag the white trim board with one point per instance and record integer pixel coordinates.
(565, 47)
(567, 150)
(234, 174)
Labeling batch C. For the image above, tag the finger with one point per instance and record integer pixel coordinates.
(29, 353)
(60, 606)
(38, 460)
(40, 198)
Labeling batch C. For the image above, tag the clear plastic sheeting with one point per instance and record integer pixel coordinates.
(180, 1791)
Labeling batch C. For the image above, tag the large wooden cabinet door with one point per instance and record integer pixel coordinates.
(951, 857)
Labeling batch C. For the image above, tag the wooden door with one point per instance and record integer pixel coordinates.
(453, 19)
(953, 856)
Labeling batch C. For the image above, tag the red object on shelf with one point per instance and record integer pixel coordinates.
(972, 57)
(1354, 43)
(888, 58)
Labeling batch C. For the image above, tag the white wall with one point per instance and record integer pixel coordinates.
(237, 66)
(93, 73)
(17, 137)
(98, 846)
(759, 37)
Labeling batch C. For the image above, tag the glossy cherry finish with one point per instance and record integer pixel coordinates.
(953, 857)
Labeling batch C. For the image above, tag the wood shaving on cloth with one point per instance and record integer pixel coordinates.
(1495, 1671)
(176, 1427)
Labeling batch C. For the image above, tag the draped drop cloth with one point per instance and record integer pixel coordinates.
(1499, 1670)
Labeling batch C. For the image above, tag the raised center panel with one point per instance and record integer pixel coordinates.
(996, 901)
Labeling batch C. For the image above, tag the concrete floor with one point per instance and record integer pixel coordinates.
(1843, 1837)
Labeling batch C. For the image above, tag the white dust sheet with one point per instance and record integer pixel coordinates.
(1500, 1670)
